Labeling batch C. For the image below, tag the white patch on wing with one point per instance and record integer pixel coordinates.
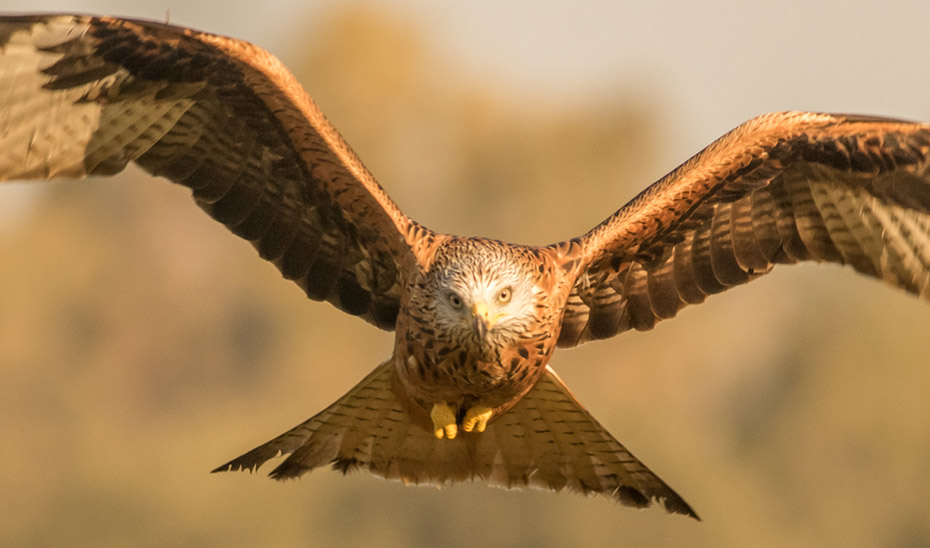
(51, 145)
(75, 130)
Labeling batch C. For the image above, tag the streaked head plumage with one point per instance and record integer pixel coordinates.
(483, 290)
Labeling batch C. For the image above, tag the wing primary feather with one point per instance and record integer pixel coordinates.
(88, 95)
(780, 188)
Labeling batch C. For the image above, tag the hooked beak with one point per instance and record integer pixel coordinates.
(482, 321)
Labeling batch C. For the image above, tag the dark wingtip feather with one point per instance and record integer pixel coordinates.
(289, 469)
(251, 461)
(677, 505)
(236, 465)
(673, 503)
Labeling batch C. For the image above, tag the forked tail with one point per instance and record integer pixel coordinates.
(547, 440)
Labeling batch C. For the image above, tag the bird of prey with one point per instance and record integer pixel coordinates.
(466, 392)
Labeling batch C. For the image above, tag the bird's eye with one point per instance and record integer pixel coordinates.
(504, 296)
(455, 301)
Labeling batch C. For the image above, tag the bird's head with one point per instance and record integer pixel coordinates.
(485, 292)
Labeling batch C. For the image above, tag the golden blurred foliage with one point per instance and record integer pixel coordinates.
(141, 345)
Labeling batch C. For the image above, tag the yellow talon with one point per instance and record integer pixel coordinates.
(444, 421)
(477, 418)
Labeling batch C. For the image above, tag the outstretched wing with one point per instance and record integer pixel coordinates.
(84, 95)
(781, 188)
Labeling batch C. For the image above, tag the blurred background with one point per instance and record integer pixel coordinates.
(141, 345)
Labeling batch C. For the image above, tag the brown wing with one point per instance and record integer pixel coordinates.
(85, 96)
(781, 188)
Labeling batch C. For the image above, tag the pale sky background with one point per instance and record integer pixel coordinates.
(710, 65)
(707, 66)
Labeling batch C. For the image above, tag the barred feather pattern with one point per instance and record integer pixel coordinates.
(782, 188)
(547, 440)
(88, 95)
(83, 96)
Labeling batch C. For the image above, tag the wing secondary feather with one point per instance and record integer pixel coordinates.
(781, 188)
(87, 95)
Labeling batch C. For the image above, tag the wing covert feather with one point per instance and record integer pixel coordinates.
(781, 188)
(87, 95)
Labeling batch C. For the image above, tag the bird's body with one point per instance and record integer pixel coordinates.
(450, 360)
(476, 321)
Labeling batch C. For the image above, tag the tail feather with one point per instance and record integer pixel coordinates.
(564, 447)
(547, 440)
